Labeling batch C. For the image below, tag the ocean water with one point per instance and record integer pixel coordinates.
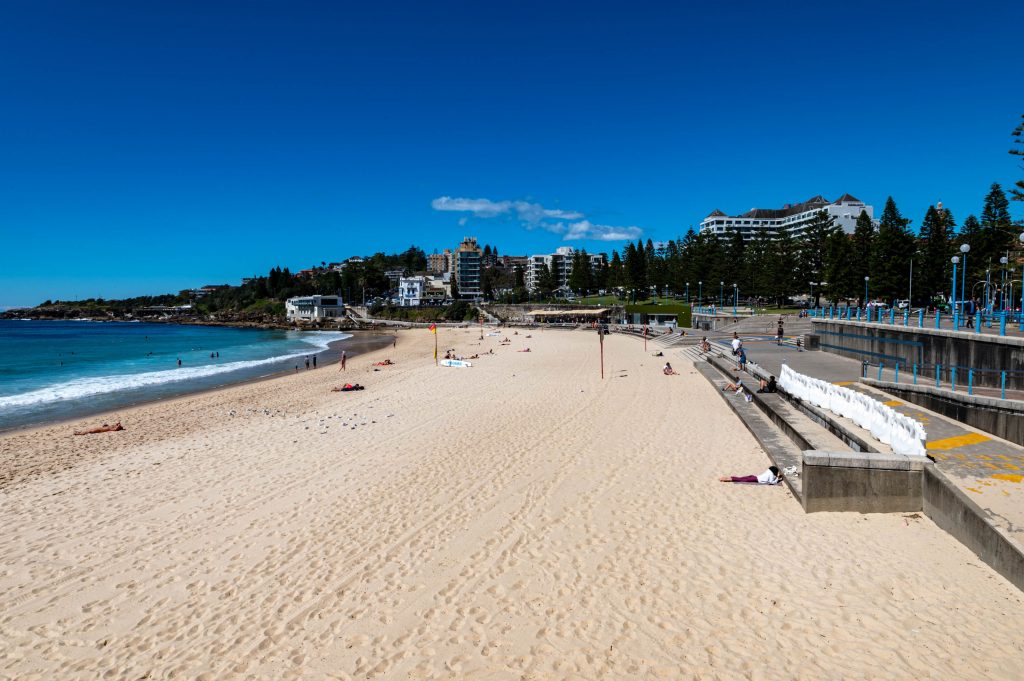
(59, 369)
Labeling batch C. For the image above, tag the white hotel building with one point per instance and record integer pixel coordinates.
(559, 262)
(793, 218)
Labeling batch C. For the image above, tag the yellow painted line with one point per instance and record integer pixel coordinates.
(958, 441)
(971, 489)
(1009, 477)
(843, 383)
(1011, 467)
(893, 403)
(1003, 457)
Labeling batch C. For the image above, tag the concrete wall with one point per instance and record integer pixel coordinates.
(872, 483)
(925, 347)
(951, 510)
(1002, 418)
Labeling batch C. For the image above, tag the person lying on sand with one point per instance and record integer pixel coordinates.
(772, 476)
(659, 353)
(347, 388)
(101, 429)
(669, 371)
(385, 363)
(524, 350)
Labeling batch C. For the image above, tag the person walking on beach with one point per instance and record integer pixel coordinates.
(342, 361)
(314, 361)
(307, 362)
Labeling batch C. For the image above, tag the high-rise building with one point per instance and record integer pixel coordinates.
(439, 263)
(466, 262)
(793, 218)
(559, 263)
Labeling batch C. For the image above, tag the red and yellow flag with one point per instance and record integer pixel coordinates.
(433, 328)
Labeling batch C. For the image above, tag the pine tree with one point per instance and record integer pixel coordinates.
(615, 277)
(997, 232)
(580, 278)
(841, 269)
(863, 241)
(735, 259)
(937, 248)
(760, 259)
(891, 253)
(811, 249)
(1017, 192)
(781, 265)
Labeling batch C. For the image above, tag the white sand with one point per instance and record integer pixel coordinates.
(520, 519)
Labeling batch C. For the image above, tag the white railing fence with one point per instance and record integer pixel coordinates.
(905, 435)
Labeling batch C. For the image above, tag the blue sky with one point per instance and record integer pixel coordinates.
(150, 147)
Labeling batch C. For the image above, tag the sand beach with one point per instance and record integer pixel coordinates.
(519, 519)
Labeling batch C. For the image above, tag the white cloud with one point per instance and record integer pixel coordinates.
(534, 216)
(585, 229)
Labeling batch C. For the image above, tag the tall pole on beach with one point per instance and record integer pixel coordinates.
(600, 336)
(433, 330)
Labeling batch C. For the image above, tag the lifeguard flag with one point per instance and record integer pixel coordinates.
(433, 328)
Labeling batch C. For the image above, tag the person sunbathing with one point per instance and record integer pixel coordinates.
(525, 350)
(772, 476)
(101, 429)
(669, 371)
(347, 388)
(385, 363)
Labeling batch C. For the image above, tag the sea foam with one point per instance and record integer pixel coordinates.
(99, 385)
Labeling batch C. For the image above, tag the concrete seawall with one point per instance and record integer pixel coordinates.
(988, 354)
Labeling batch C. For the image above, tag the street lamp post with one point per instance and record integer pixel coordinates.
(687, 292)
(965, 249)
(866, 279)
(1021, 318)
(988, 284)
(955, 260)
(735, 298)
(1002, 282)
(721, 292)
(700, 292)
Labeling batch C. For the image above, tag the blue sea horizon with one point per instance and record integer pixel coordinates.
(54, 370)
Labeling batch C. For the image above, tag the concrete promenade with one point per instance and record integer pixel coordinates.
(990, 470)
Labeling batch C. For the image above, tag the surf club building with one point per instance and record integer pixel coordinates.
(310, 308)
(793, 218)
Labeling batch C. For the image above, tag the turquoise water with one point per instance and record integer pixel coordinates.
(60, 369)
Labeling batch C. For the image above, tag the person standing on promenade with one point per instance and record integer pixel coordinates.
(778, 335)
(736, 343)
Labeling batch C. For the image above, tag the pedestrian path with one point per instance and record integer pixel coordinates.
(990, 470)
